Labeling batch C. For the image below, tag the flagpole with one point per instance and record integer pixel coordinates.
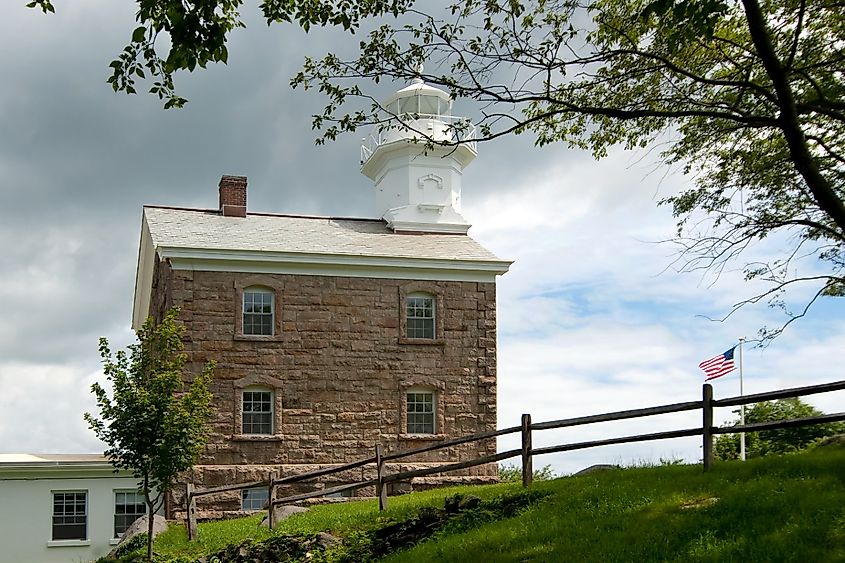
(742, 407)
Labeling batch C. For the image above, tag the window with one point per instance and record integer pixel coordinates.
(258, 312)
(419, 312)
(254, 499)
(420, 412)
(257, 411)
(348, 493)
(70, 515)
(128, 507)
(257, 408)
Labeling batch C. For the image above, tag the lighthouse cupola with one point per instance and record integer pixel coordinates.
(417, 161)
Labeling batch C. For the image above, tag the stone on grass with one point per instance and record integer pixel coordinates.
(469, 502)
(140, 526)
(595, 468)
(284, 512)
(326, 540)
(835, 440)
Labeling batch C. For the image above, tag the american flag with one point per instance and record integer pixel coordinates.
(718, 366)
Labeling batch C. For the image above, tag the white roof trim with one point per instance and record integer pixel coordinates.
(143, 277)
(181, 255)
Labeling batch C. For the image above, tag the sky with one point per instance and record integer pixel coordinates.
(592, 316)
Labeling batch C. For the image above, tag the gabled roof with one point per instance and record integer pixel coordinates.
(184, 228)
(200, 239)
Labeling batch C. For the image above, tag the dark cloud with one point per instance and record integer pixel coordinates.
(78, 161)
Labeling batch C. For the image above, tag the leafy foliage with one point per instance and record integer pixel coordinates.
(509, 473)
(150, 425)
(780, 441)
(44, 5)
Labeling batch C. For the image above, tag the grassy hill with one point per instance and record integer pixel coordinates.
(786, 508)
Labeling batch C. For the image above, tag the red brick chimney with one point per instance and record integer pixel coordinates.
(233, 196)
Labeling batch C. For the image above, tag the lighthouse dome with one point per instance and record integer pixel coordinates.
(421, 99)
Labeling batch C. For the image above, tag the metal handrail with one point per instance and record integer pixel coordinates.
(461, 130)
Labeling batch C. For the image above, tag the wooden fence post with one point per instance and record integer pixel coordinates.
(381, 490)
(527, 463)
(707, 425)
(191, 511)
(271, 515)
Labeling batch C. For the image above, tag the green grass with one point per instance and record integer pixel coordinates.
(787, 508)
(339, 519)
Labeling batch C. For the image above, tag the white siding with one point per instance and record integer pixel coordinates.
(26, 510)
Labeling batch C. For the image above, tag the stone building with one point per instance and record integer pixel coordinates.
(335, 334)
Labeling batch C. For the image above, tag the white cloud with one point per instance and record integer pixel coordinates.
(41, 409)
(590, 322)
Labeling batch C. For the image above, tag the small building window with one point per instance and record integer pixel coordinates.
(420, 412)
(128, 507)
(257, 411)
(419, 313)
(348, 493)
(70, 515)
(258, 311)
(255, 499)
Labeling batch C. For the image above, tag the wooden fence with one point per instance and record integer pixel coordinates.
(526, 451)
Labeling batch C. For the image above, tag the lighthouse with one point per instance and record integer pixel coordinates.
(417, 162)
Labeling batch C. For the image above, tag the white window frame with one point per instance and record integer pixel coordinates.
(53, 516)
(245, 413)
(432, 412)
(117, 492)
(245, 493)
(266, 293)
(427, 320)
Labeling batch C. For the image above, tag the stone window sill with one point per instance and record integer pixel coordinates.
(423, 437)
(68, 543)
(422, 341)
(257, 438)
(259, 337)
(114, 541)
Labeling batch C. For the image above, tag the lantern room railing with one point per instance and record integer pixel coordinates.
(419, 126)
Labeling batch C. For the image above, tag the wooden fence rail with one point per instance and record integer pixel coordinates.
(526, 451)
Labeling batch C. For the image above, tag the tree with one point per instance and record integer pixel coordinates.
(510, 473)
(151, 425)
(746, 96)
(780, 441)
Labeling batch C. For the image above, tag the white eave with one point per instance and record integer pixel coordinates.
(30, 466)
(286, 262)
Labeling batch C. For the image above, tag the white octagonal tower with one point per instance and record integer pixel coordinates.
(418, 187)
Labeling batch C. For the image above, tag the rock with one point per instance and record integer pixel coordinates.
(458, 502)
(469, 502)
(284, 512)
(137, 527)
(326, 540)
(451, 504)
(835, 440)
(594, 469)
(699, 503)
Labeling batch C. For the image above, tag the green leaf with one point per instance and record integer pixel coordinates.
(139, 34)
